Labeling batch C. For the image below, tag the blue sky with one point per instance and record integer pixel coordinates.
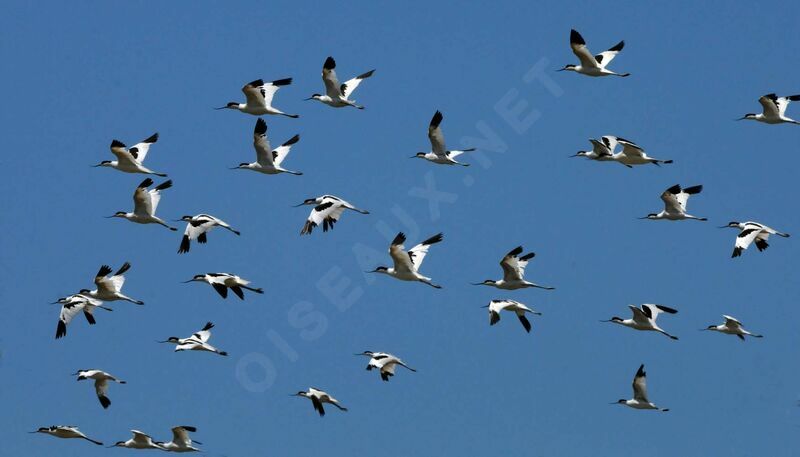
(79, 75)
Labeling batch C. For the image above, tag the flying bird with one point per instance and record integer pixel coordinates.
(181, 441)
(145, 202)
(221, 282)
(732, 326)
(71, 306)
(130, 160)
(384, 362)
(603, 150)
(109, 288)
(318, 397)
(774, 110)
(65, 431)
(750, 232)
(268, 160)
(675, 199)
(439, 153)
(496, 306)
(140, 440)
(407, 263)
(259, 98)
(513, 272)
(327, 211)
(197, 342)
(592, 65)
(640, 400)
(197, 228)
(101, 379)
(337, 95)
(644, 318)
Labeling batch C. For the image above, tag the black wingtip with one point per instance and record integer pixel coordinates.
(436, 119)
(618, 47)
(365, 76)
(434, 239)
(104, 401)
(146, 183)
(515, 252)
(151, 139)
(292, 140)
(575, 37)
(330, 64)
(208, 326)
(256, 83)
(399, 239)
(528, 256)
(117, 144)
(640, 371)
(282, 82)
(693, 190)
(261, 127)
(61, 329)
(164, 185)
(675, 190)
(185, 244)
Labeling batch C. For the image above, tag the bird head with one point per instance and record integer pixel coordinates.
(300, 394)
(313, 97)
(172, 339)
(580, 154)
(650, 216)
(117, 214)
(84, 291)
(620, 402)
(185, 219)
(241, 165)
(105, 163)
(616, 319)
(488, 282)
(747, 116)
(733, 224)
(196, 278)
(366, 353)
(308, 201)
(419, 155)
(568, 67)
(380, 269)
(230, 105)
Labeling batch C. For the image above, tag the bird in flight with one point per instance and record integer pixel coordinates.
(675, 199)
(592, 65)
(268, 160)
(197, 228)
(630, 155)
(65, 431)
(221, 282)
(327, 211)
(750, 232)
(644, 318)
(513, 272)
(145, 203)
(384, 362)
(407, 263)
(732, 326)
(130, 160)
(101, 380)
(259, 95)
(71, 306)
(109, 288)
(181, 441)
(338, 95)
(197, 342)
(639, 400)
(496, 306)
(439, 153)
(140, 440)
(774, 111)
(318, 397)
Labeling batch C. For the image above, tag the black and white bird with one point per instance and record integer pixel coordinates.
(197, 342)
(130, 160)
(101, 380)
(259, 95)
(644, 318)
(181, 441)
(513, 272)
(71, 306)
(109, 288)
(221, 282)
(318, 397)
(338, 95)
(631, 154)
(145, 203)
(752, 232)
(197, 228)
(774, 110)
(439, 153)
(640, 400)
(65, 431)
(327, 211)
(407, 263)
(496, 306)
(675, 199)
(140, 440)
(384, 362)
(602, 150)
(268, 160)
(592, 65)
(732, 326)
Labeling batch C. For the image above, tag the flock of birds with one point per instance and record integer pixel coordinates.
(327, 210)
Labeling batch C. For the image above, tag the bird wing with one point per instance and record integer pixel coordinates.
(180, 436)
(436, 136)
(671, 199)
(610, 142)
(513, 266)
(654, 310)
(605, 57)
(639, 316)
(140, 436)
(317, 405)
(203, 335)
(640, 385)
(600, 148)
(402, 259)
(732, 322)
(578, 45)
(418, 252)
(332, 88)
(139, 150)
(770, 104)
(69, 311)
(143, 199)
(746, 237)
(261, 144)
(101, 386)
(280, 153)
(631, 149)
(350, 85)
(326, 210)
(783, 103)
(259, 93)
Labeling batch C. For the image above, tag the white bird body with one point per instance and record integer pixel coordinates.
(181, 441)
(259, 95)
(197, 228)
(514, 272)
(631, 154)
(732, 326)
(65, 431)
(197, 342)
(496, 306)
(644, 318)
(592, 65)
(109, 288)
(221, 282)
(268, 160)
(675, 200)
(101, 380)
(338, 95)
(752, 232)
(640, 400)
(71, 306)
(319, 397)
(131, 160)
(327, 211)
(145, 203)
(140, 440)
(774, 111)
(439, 153)
(407, 263)
(385, 363)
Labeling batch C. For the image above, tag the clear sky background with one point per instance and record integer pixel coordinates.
(77, 75)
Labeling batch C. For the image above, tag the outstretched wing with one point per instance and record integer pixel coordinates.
(350, 85)
(332, 88)
(631, 149)
(605, 58)
(261, 144)
(578, 45)
(744, 239)
(139, 150)
(436, 136)
(640, 386)
(770, 104)
(417, 253)
(259, 93)
(514, 266)
(280, 153)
